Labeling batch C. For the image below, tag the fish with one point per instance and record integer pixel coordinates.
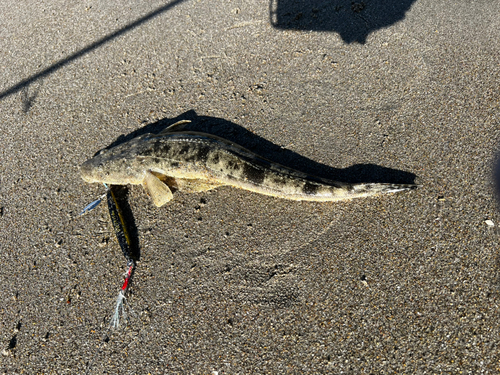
(190, 161)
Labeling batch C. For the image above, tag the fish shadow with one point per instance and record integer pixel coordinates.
(369, 173)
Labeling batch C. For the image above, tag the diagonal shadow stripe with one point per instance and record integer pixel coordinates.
(59, 64)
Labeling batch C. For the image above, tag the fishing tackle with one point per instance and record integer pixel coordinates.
(123, 237)
(125, 242)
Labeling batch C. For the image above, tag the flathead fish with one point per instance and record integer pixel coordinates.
(190, 161)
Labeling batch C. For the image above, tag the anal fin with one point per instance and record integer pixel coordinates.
(195, 185)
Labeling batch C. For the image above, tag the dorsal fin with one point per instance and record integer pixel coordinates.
(178, 126)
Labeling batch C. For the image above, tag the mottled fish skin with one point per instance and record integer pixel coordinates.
(212, 161)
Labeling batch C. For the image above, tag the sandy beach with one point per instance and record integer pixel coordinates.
(229, 281)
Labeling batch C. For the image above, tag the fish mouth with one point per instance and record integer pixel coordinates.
(87, 171)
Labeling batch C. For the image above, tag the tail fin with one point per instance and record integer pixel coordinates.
(372, 188)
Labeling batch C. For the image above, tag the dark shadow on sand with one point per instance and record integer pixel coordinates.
(353, 20)
(63, 62)
(496, 230)
(241, 136)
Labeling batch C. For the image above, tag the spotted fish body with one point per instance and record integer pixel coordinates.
(192, 161)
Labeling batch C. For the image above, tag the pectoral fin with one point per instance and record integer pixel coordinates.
(157, 190)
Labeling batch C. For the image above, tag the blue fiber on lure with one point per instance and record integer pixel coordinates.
(95, 203)
(91, 206)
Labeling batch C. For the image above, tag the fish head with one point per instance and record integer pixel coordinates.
(116, 166)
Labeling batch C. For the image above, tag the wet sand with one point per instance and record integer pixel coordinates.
(228, 281)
